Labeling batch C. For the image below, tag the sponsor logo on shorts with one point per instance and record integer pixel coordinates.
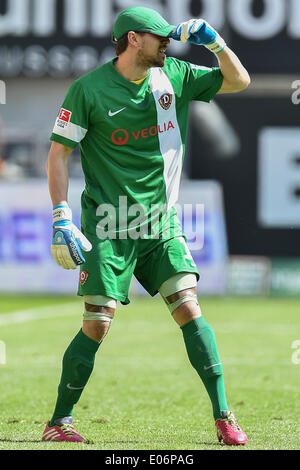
(165, 101)
(83, 277)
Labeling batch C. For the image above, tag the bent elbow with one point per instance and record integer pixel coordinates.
(247, 81)
(244, 83)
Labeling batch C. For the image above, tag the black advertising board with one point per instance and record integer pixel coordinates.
(62, 38)
(261, 179)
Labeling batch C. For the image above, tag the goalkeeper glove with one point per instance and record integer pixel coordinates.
(67, 240)
(201, 33)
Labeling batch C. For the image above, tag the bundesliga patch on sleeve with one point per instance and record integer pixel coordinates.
(63, 118)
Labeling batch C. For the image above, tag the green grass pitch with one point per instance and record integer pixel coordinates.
(143, 393)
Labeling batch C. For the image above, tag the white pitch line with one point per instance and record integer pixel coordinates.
(38, 313)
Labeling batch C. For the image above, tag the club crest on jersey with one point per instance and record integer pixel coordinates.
(83, 277)
(165, 101)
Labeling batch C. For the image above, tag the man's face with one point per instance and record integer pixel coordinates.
(152, 52)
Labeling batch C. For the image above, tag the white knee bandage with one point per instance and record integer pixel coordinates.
(100, 301)
(177, 283)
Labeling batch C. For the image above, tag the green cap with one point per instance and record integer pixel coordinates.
(141, 19)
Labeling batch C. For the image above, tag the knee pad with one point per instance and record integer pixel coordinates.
(177, 283)
(99, 301)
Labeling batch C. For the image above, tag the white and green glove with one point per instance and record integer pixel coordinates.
(199, 32)
(67, 240)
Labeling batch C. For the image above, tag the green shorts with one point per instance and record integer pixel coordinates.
(110, 265)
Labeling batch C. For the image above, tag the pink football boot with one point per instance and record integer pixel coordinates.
(62, 431)
(229, 431)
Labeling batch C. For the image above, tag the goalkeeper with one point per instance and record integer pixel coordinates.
(130, 117)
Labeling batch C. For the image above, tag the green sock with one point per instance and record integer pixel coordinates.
(202, 351)
(77, 366)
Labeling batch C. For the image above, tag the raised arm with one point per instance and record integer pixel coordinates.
(236, 77)
(199, 32)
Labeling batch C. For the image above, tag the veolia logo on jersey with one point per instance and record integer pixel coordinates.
(165, 101)
(122, 136)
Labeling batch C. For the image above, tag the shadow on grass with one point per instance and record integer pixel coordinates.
(36, 441)
(216, 445)
(162, 442)
(21, 441)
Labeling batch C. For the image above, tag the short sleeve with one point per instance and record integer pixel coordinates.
(71, 124)
(203, 83)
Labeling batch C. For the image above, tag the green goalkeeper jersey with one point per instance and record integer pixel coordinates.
(132, 136)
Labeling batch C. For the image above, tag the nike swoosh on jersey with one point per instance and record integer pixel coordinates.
(111, 114)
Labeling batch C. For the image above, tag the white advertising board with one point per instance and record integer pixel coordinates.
(26, 264)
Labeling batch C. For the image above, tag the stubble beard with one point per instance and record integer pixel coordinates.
(149, 62)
